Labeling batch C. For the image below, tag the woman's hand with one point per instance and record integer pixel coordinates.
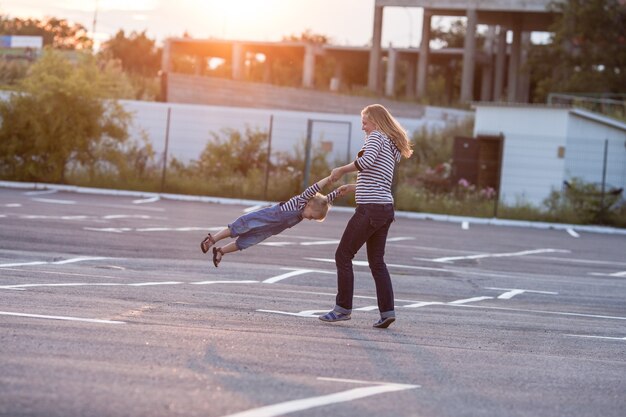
(336, 174)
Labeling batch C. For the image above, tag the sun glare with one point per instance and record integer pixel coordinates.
(237, 18)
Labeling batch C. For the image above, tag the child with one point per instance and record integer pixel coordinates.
(255, 227)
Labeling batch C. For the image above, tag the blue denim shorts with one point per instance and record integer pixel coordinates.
(253, 228)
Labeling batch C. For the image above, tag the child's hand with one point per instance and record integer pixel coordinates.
(346, 189)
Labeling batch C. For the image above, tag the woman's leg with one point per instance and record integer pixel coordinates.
(376, 259)
(354, 236)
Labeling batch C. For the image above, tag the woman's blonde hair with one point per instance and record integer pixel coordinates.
(320, 206)
(387, 124)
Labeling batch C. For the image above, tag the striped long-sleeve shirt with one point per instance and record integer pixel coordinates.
(298, 202)
(376, 163)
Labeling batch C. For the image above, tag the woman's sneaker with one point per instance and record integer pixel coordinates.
(332, 316)
(383, 323)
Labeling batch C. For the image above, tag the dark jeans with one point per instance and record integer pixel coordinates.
(369, 225)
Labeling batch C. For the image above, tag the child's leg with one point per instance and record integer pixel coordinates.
(218, 253)
(211, 240)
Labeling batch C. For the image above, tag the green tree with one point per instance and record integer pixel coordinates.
(138, 54)
(57, 33)
(586, 52)
(60, 118)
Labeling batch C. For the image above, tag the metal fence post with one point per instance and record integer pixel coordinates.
(307, 154)
(167, 142)
(269, 154)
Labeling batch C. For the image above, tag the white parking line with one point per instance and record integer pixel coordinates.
(29, 193)
(295, 272)
(312, 402)
(470, 300)
(364, 263)
(572, 232)
(512, 292)
(597, 337)
(65, 261)
(499, 255)
(49, 200)
(39, 316)
(147, 200)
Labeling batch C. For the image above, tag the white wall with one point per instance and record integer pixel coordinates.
(585, 152)
(531, 167)
(191, 127)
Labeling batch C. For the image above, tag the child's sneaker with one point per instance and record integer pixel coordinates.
(333, 316)
(383, 323)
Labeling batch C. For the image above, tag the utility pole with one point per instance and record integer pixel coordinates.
(95, 20)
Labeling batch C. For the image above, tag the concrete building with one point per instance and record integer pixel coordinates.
(519, 17)
(541, 147)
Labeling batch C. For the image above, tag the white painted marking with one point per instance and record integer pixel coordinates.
(470, 300)
(286, 275)
(364, 263)
(66, 261)
(422, 304)
(399, 239)
(572, 232)
(23, 264)
(126, 216)
(146, 284)
(276, 243)
(42, 192)
(322, 400)
(619, 274)
(305, 313)
(597, 337)
(512, 292)
(13, 205)
(79, 259)
(499, 255)
(558, 313)
(147, 200)
(108, 229)
(49, 200)
(367, 308)
(465, 225)
(224, 282)
(39, 316)
(320, 242)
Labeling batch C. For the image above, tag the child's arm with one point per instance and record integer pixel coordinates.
(324, 182)
(341, 191)
(339, 172)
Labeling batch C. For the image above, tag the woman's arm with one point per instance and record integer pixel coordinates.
(339, 172)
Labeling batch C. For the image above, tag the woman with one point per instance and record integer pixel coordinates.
(385, 143)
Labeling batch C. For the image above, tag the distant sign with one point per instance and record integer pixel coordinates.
(33, 42)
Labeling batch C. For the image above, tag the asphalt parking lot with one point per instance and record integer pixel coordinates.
(109, 308)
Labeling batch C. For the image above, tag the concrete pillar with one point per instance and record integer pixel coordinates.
(498, 82)
(308, 69)
(469, 57)
(199, 65)
(514, 63)
(268, 68)
(390, 78)
(523, 84)
(238, 61)
(166, 57)
(487, 69)
(422, 65)
(410, 77)
(375, 53)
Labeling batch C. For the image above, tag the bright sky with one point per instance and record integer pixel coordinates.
(346, 22)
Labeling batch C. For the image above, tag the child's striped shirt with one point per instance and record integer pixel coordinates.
(297, 203)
